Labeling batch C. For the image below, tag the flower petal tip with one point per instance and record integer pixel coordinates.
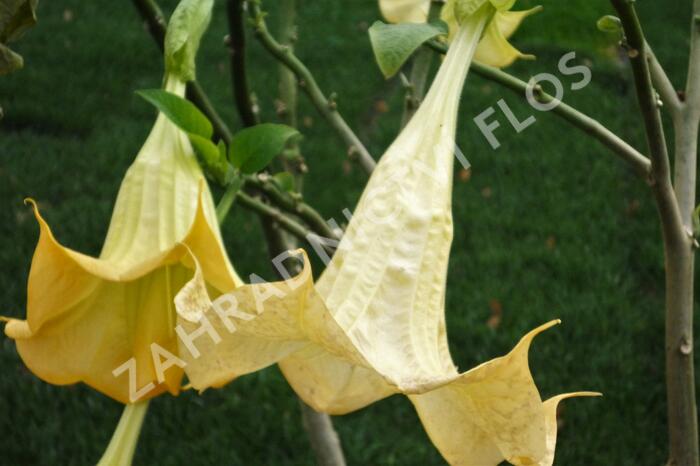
(33, 204)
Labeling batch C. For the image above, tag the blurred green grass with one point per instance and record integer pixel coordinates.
(549, 225)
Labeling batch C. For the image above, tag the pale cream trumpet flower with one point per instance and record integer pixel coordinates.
(374, 324)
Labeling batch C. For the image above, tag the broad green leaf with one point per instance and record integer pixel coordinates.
(212, 158)
(393, 44)
(185, 29)
(253, 148)
(180, 111)
(285, 181)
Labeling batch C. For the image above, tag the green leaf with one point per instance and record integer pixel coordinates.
(180, 111)
(393, 44)
(185, 30)
(285, 181)
(212, 159)
(609, 23)
(253, 148)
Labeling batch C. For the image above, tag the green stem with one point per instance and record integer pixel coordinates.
(120, 451)
(418, 80)
(227, 200)
(588, 125)
(416, 84)
(663, 84)
(266, 210)
(293, 206)
(307, 83)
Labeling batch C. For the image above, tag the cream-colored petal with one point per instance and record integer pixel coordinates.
(255, 326)
(550, 412)
(509, 21)
(385, 285)
(159, 197)
(492, 413)
(374, 325)
(332, 384)
(494, 48)
(405, 11)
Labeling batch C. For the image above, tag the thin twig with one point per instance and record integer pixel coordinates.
(692, 90)
(236, 41)
(292, 205)
(266, 210)
(415, 85)
(663, 85)
(308, 84)
(660, 177)
(639, 162)
(420, 68)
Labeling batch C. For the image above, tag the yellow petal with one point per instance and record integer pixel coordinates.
(253, 327)
(332, 384)
(509, 21)
(88, 316)
(490, 414)
(405, 11)
(85, 319)
(494, 48)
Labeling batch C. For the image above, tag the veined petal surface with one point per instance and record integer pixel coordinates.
(88, 316)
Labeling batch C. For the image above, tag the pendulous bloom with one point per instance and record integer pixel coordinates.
(493, 49)
(374, 324)
(110, 321)
(88, 316)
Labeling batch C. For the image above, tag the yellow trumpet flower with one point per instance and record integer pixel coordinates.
(374, 324)
(88, 316)
(494, 48)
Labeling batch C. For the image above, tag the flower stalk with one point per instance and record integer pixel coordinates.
(121, 449)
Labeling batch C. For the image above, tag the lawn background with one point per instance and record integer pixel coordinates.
(550, 225)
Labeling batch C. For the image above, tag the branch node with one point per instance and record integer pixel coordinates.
(686, 347)
(332, 104)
